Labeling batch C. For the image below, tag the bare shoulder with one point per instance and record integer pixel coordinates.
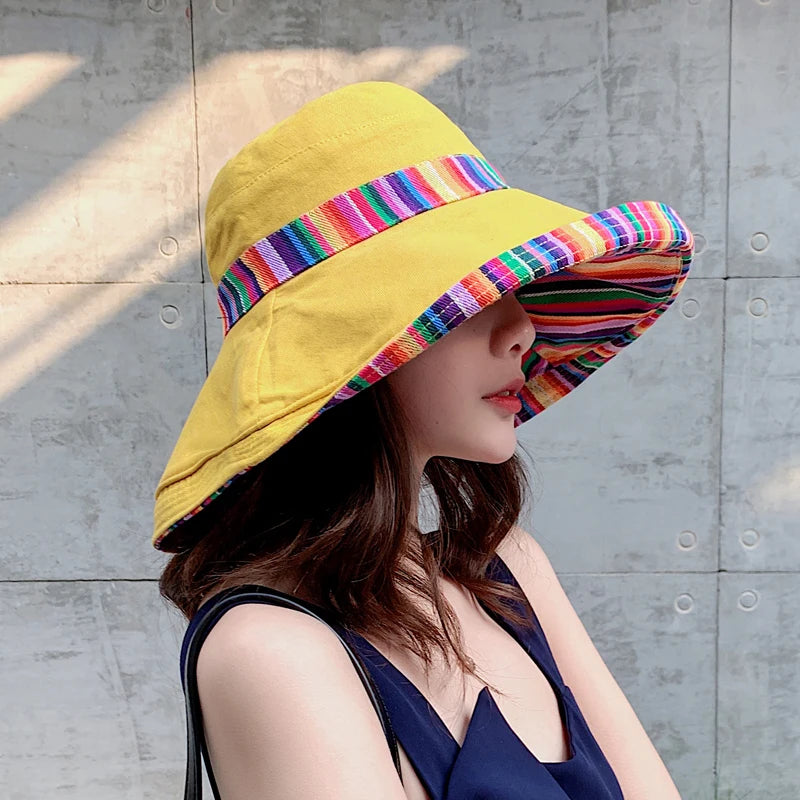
(640, 771)
(564, 630)
(524, 555)
(285, 712)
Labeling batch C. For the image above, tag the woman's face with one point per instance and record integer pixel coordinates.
(443, 388)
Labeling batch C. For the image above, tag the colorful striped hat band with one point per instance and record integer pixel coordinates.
(345, 220)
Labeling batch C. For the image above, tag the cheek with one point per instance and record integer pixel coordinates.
(442, 382)
(445, 397)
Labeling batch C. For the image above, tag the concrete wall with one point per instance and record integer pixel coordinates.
(682, 552)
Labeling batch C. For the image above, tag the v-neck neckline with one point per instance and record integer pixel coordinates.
(480, 707)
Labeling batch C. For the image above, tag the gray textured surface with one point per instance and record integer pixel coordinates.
(94, 395)
(90, 699)
(657, 635)
(761, 419)
(679, 460)
(100, 181)
(759, 702)
(765, 112)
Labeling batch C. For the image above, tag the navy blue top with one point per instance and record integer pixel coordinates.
(492, 763)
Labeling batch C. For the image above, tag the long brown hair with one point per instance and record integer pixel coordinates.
(333, 506)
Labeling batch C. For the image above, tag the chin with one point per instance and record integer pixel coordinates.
(494, 450)
(500, 456)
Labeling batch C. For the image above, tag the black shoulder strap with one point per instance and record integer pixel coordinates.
(212, 612)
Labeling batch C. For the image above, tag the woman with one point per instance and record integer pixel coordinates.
(345, 242)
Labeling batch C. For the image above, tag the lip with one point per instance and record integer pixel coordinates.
(510, 403)
(513, 387)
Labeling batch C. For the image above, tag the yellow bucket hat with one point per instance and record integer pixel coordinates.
(354, 234)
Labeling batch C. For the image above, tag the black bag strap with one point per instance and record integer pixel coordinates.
(211, 612)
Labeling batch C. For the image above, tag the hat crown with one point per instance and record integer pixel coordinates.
(333, 143)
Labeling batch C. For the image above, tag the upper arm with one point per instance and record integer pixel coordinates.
(640, 771)
(285, 712)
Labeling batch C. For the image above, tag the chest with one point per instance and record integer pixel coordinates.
(521, 690)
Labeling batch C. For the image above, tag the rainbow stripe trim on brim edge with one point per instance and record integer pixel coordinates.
(559, 266)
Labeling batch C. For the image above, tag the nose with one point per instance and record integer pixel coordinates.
(524, 328)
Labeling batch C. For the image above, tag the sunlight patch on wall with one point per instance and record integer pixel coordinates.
(127, 212)
(779, 491)
(25, 77)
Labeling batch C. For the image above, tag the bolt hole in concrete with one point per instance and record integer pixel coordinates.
(687, 540)
(684, 603)
(168, 246)
(690, 308)
(748, 600)
(757, 306)
(170, 316)
(749, 538)
(699, 243)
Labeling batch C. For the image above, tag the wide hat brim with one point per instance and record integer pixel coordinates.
(595, 283)
(354, 234)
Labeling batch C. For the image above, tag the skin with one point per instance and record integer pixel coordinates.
(442, 388)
